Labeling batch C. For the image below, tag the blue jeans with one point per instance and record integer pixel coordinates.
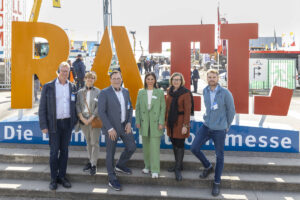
(59, 148)
(218, 137)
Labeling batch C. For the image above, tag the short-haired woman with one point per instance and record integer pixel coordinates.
(87, 110)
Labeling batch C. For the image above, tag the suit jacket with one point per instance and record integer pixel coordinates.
(195, 74)
(93, 104)
(79, 69)
(109, 109)
(47, 107)
(153, 117)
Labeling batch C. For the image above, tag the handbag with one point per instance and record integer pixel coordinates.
(96, 122)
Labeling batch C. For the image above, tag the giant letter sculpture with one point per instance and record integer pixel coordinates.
(238, 36)
(181, 38)
(24, 66)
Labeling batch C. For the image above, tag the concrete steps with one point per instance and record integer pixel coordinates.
(25, 173)
(230, 180)
(39, 189)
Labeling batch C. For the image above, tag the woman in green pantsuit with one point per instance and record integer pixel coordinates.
(150, 115)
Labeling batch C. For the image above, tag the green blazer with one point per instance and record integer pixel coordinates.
(153, 117)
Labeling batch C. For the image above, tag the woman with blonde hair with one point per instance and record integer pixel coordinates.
(178, 111)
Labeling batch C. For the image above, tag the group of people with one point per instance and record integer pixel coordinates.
(61, 106)
(150, 65)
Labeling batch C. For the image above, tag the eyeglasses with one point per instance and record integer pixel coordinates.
(90, 78)
(176, 79)
(116, 79)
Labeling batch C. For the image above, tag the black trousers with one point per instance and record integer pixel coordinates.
(59, 148)
(80, 83)
(195, 84)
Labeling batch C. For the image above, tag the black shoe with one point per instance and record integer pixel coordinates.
(178, 175)
(206, 172)
(53, 184)
(123, 170)
(64, 182)
(172, 169)
(87, 167)
(216, 189)
(115, 185)
(93, 170)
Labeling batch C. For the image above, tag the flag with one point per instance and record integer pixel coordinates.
(293, 39)
(56, 3)
(84, 46)
(266, 47)
(219, 39)
(194, 51)
(272, 46)
(224, 47)
(275, 40)
(72, 44)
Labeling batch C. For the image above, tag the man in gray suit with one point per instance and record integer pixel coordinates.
(115, 111)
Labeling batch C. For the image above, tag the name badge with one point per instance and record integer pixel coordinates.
(72, 97)
(154, 97)
(215, 106)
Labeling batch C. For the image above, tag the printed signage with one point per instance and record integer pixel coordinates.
(239, 138)
(258, 69)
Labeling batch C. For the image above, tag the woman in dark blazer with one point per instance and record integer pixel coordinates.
(178, 111)
(150, 115)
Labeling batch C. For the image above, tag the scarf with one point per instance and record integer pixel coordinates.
(173, 111)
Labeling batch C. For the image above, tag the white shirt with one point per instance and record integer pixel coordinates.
(149, 94)
(122, 103)
(88, 95)
(62, 94)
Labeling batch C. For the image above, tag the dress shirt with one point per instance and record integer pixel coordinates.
(62, 94)
(122, 103)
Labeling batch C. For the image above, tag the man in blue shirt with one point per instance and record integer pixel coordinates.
(218, 117)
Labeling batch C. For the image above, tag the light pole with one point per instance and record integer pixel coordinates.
(143, 48)
(133, 35)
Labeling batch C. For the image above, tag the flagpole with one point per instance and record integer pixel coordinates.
(219, 23)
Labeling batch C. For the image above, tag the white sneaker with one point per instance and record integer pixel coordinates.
(146, 171)
(154, 175)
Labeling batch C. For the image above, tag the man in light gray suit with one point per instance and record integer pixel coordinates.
(115, 111)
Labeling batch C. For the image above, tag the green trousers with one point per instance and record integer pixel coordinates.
(151, 149)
